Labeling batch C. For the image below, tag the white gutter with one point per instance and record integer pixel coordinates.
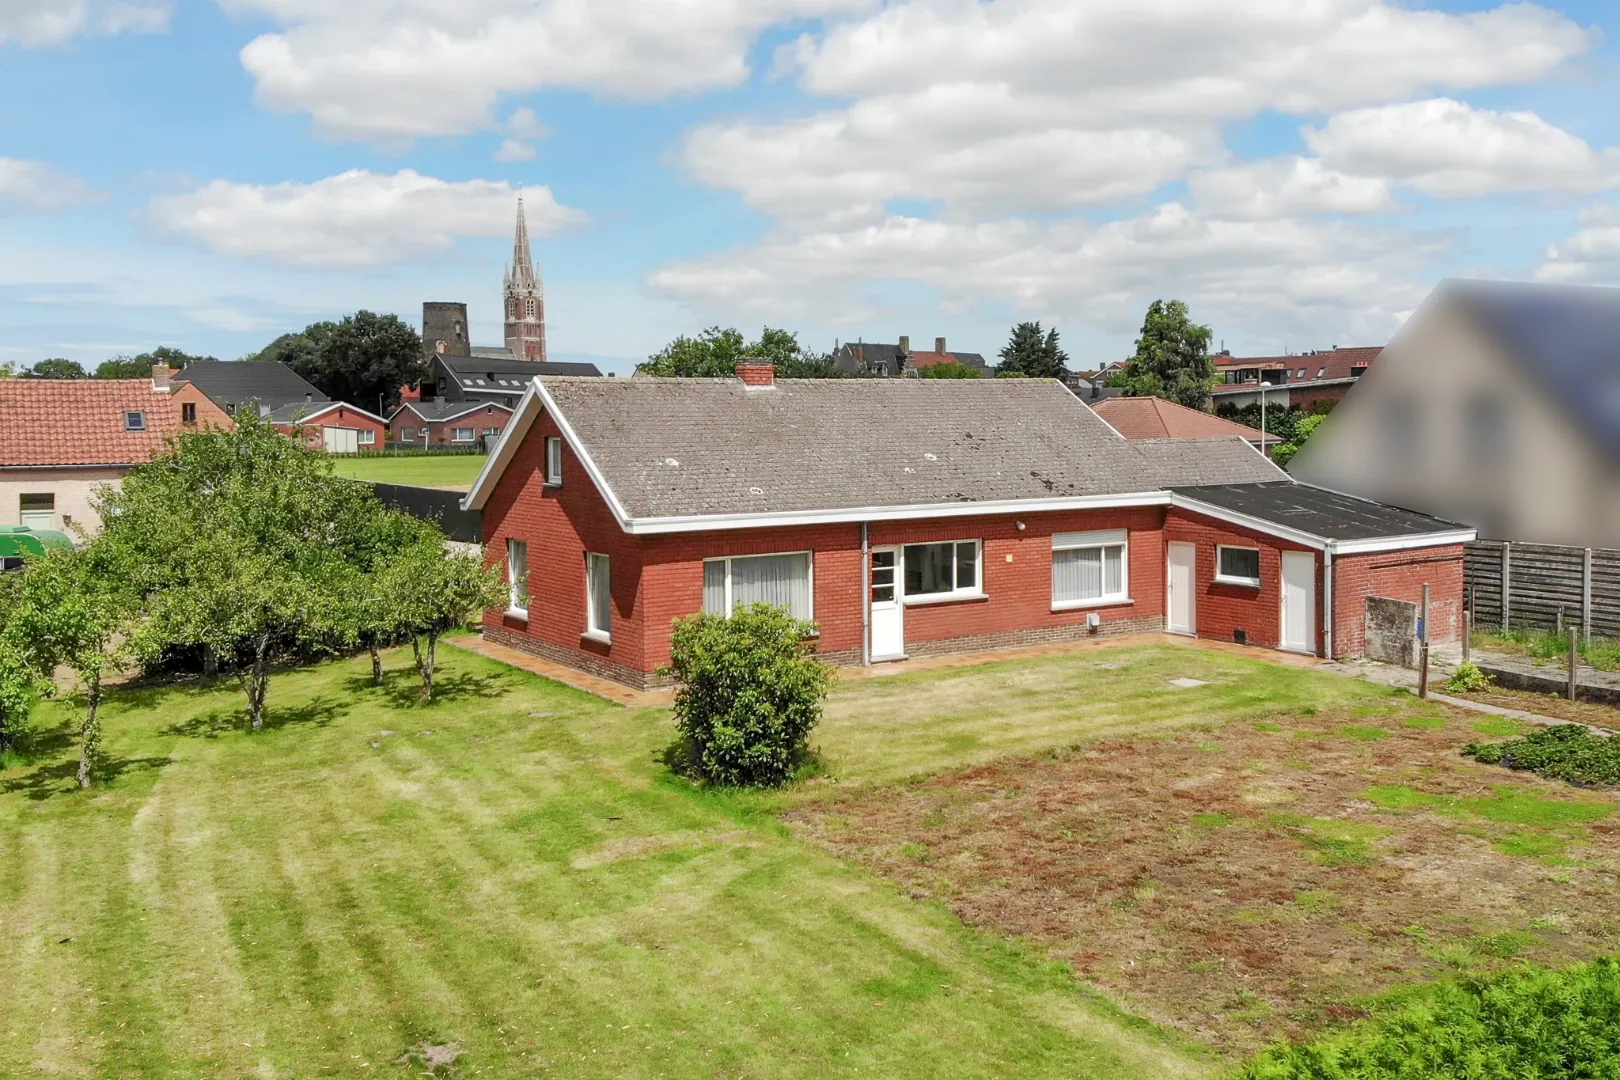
(853, 515)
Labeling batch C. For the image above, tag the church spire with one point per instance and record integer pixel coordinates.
(524, 298)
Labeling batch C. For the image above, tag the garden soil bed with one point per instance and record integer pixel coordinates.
(1550, 705)
(1259, 880)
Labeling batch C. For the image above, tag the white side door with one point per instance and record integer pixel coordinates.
(1181, 575)
(888, 614)
(1299, 601)
(341, 440)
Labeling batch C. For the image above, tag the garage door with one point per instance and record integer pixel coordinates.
(341, 440)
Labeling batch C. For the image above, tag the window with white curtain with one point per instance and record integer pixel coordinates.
(939, 571)
(553, 461)
(599, 596)
(782, 580)
(517, 574)
(1090, 568)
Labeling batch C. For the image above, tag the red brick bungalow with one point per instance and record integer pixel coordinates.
(910, 517)
(336, 426)
(448, 423)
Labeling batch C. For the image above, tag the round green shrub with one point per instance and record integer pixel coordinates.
(749, 694)
(1468, 679)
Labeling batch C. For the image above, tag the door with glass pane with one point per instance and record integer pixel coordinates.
(888, 616)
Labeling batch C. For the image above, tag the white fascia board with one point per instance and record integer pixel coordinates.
(853, 515)
(338, 405)
(1405, 543)
(535, 401)
(1260, 525)
(522, 419)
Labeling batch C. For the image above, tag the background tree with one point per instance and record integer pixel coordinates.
(374, 618)
(18, 681)
(363, 359)
(59, 367)
(1031, 353)
(73, 609)
(1172, 358)
(240, 542)
(140, 367)
(431, 590)
(715, 353)
(750, 692)
(1284, 452)
(952, 370)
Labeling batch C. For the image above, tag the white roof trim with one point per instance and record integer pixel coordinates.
(472, 406)
(852, 515)
(1405, 543)
(328, 407)
(1260, 525)
(1319, 543)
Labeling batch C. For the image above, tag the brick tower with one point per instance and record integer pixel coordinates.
(525, 299)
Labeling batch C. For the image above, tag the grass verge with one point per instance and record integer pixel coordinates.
(454, 472)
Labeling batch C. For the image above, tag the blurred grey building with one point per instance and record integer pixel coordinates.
(1496, 405)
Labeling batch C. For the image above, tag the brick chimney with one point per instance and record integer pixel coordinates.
(756, 372)
(905, 343)
(939, 345)
(160, 379)
(410, 393)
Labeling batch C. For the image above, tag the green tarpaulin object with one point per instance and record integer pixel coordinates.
(17, 541)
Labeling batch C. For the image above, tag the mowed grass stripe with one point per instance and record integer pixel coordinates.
(514, 870)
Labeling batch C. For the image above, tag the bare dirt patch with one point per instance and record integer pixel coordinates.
(1576, 712)
(1261, 879)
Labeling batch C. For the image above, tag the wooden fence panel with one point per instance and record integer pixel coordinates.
(1543, 581)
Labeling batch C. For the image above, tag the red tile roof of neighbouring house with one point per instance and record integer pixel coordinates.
(82, 421)
(1332, 363)
(1155, 418)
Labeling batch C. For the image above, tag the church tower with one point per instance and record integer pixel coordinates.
(525, 300)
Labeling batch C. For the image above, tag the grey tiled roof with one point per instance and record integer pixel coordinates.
(437, 410)
(232, 382)
(686, 447)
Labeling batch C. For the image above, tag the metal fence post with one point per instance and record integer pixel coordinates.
(1468, 633)
(1507, 582)
(1574, 662)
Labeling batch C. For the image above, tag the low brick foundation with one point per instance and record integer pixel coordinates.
(1008, 639)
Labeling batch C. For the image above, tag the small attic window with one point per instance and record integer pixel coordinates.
(1358, 371)
(134, 420)
(1320, 372)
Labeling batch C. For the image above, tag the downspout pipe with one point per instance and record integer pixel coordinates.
(1327, 599)
(866, 599)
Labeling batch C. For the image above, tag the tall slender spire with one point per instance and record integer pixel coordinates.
(524, 298)
(522, 259)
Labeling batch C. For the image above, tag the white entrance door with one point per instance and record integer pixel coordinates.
(888, 616)
(1299, 601)
(1180, 591)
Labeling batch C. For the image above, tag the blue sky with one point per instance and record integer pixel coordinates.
(210, 174)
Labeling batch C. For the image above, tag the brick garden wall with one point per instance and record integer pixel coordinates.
(1399, 575)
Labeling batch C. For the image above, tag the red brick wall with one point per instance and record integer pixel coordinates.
(560, 525)
(490, 416)
(1398, 575)
(1222, 608)
(341, 417)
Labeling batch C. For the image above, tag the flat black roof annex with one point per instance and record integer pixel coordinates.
(1317, 511)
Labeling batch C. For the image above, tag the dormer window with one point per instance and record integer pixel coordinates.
(1358, 371)
(134, 420)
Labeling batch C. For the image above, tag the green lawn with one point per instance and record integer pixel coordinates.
(513, 869)
(454, 471)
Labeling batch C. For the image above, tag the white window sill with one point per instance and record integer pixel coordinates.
(518, 613)
(1081, 605)
(1248, 583)
(551, 483)
(597, 635)
(945, 598)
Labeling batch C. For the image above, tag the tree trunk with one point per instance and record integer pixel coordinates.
(210, 665)
(427, 665)
(90, 733)
(376, 665)
(258, 682)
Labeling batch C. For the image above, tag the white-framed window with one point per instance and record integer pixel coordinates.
(462, 434)
(368, 437)
(1237, 565)
(786, 580)
(407, 435)
(598, 597)
(1320, 372)
(38, 510)
(134, 420)
(1090, 569)
(944, 571)
(188, 412)
(517, 576)
(492, 432)
(553, 461)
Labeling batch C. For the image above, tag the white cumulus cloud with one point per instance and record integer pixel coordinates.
(402, 69)
(51, 22)
(1591, 254)
(34, 185)
(1448, 148)
(1286, 187)
(356, 218)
